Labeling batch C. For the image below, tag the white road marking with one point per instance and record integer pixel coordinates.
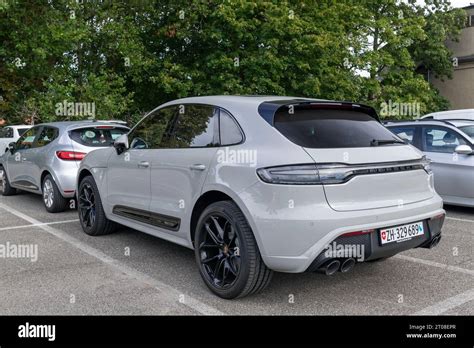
(435, 264)
(449, 303)
(37, 225)
(172, 294)
(458, 219)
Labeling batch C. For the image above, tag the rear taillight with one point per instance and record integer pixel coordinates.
(331, 173)
(299, 175)
(70, 155)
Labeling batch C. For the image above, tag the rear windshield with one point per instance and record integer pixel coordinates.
(322, 128)
(97, 136)
(469, 130)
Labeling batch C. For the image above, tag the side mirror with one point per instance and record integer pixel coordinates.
(12, 147)
(121, 144)
(463, 150)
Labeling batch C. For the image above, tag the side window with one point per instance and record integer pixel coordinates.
(6, 132)
(229, 130)
(27, 139)
(47, 135)
(406, 133)
(440, 139)
(149, 133)
(195, 126)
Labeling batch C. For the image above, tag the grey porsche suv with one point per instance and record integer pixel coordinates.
(45, 159)
(262, 184)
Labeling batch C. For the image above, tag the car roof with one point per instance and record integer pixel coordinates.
(452, 114)
(256, 102)
(429, 121)
(62, 125)
(20, 126)
(221, 100)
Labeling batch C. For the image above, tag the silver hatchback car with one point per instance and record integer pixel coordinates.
(262, 184)
(45, 159)
(449, 144)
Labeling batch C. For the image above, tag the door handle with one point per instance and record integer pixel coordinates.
(200, 167)
(143, 164)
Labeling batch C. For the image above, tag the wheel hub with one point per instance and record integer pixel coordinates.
(219, 251)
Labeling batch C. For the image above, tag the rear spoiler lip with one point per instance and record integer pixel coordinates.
(267, 110)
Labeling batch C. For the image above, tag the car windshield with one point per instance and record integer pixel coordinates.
(469, 130)
(99, 136)
(329, 128)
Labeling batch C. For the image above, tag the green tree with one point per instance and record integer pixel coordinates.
(130, 56)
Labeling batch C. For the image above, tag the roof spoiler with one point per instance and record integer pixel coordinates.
(268, 109)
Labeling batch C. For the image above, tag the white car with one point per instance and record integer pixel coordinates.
(11, 134)
(263, 184)
(462, 114)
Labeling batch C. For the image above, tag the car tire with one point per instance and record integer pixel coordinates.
(91, 211)
(232, 250)
(7, 190)
(53, 200)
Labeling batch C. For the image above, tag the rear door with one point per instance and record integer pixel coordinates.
(453, 173)
(39, 155)
(381, 171)
(180, 166)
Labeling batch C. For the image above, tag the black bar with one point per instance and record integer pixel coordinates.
(225, 330)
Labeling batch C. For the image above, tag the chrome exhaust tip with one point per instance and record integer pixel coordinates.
(347, 265)
(330, 267)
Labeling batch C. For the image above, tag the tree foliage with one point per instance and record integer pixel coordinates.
(127, 57)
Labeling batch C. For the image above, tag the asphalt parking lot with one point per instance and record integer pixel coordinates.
(131, 273)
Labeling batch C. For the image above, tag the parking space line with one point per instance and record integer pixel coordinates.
(172, 294)
(37, 225)
(458, 219)
(449, 303)
(435, 264)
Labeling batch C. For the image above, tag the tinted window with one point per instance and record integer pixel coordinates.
(47, 135)
(195, 127)
(230, 131)
(21, 131)
(98, 136)
(440, 139)
(321, 128)
(149, 133)
(6, 132)
(27, 139)
(405, 133)
(469, 130)
(181, 126)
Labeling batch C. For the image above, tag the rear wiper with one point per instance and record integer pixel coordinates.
(376, 142)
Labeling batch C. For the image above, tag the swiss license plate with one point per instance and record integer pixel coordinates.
(401, 233)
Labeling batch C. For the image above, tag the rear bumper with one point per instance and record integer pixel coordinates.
(295, 226)
(367, 247)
